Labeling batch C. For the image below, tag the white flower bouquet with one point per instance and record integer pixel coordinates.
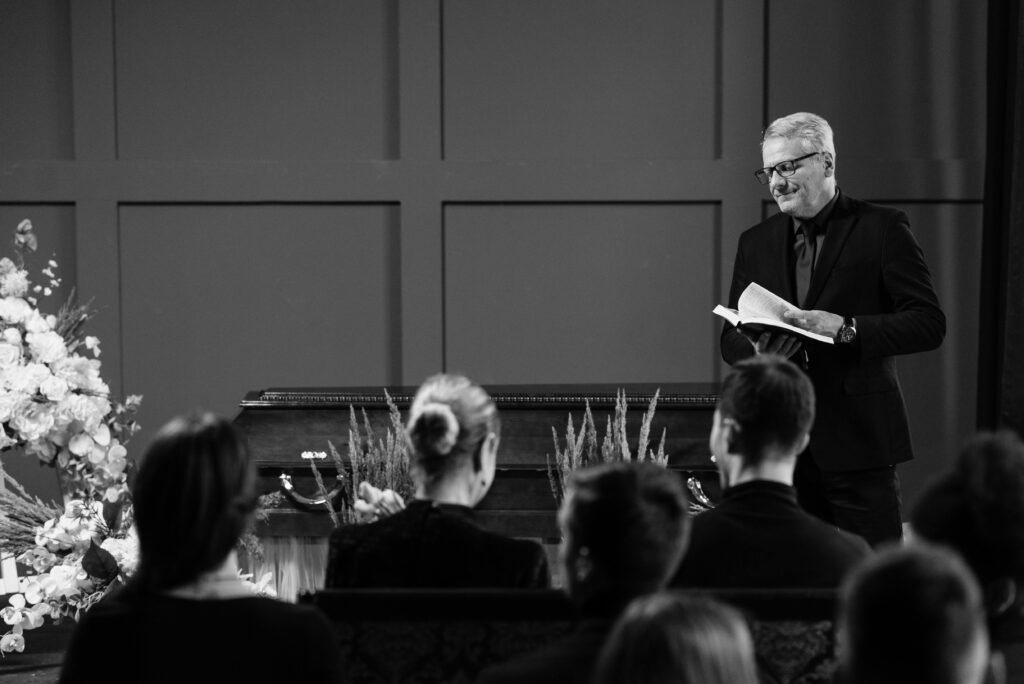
(55, 406)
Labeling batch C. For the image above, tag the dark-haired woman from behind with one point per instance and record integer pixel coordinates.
(186, 616)
(434, 542)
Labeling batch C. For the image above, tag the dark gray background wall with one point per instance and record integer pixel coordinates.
(320, 193)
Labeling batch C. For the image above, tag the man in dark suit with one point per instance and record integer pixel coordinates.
(757, 535)
(858, 276)
(624, 529)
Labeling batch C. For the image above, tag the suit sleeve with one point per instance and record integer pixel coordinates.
(735, 347)
(916, 322)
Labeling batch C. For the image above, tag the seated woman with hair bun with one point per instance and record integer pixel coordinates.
(186, 615)
(434, 542)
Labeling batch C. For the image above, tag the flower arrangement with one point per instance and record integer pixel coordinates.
(584, 449)
(379, 465)
(55, 407)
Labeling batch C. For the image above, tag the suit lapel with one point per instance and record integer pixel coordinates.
(839, 226)
(780, 244)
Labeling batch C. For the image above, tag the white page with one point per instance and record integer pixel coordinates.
(758, 302)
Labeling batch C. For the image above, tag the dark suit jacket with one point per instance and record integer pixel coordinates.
(431, 545)
(759, 537)
(872, 268)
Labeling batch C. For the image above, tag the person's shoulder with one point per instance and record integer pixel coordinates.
(777, 221)
(840, 541)
(276, 615)
(861, 208)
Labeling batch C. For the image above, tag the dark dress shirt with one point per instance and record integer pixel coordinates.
(758, 536)
(131, 637)
(432, 545)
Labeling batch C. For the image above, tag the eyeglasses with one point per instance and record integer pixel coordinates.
(784, 169)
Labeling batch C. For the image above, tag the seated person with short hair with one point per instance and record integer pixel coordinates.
(624, 528)
(434, 542)
(757, 535)
(913, 614)
(977, 509)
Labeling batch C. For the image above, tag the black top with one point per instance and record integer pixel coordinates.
(432, 545)
(758, 536)
(131, 637)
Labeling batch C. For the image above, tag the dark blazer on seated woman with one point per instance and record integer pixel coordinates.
(432, 544)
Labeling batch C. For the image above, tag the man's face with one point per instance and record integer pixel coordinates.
(809, 189)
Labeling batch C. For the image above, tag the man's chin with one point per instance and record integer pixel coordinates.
(788, 205)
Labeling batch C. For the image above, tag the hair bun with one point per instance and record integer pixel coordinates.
(438, 427)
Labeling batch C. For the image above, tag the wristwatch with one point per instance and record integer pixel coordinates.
(847, 331)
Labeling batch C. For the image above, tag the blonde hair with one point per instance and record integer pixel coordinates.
(449, 420)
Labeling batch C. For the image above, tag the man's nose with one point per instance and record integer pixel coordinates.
(775, 179)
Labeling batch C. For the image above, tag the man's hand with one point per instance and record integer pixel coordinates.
(778, 343)
(820, 322)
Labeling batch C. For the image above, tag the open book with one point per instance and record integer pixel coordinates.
(759, 309)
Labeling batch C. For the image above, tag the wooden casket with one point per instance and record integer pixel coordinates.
(283, 425)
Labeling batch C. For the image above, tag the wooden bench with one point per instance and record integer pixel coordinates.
(450, 635)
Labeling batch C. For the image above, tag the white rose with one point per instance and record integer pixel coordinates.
(54, 388)
(14, 284)
(25, 379)
(10, 354)
(12, 336)
(8, 401)
(15, 310)
(46, 347)
(35, 322)
(32, 420)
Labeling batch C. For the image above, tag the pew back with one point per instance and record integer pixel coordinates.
(431, 636)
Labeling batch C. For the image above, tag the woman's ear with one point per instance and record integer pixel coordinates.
(486, 457)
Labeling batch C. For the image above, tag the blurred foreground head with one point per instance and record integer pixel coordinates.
(625, 527)
(193, 497)
(678, 639)
(912, 614)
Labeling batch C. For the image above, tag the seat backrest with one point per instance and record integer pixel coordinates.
(425, 635)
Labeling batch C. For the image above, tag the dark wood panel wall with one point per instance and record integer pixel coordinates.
(316, 192)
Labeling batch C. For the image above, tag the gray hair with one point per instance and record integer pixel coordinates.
(805, 126)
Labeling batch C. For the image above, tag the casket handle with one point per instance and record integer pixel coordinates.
(693, 484)
(289, 488)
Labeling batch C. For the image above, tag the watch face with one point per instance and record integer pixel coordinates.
(847, 333)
